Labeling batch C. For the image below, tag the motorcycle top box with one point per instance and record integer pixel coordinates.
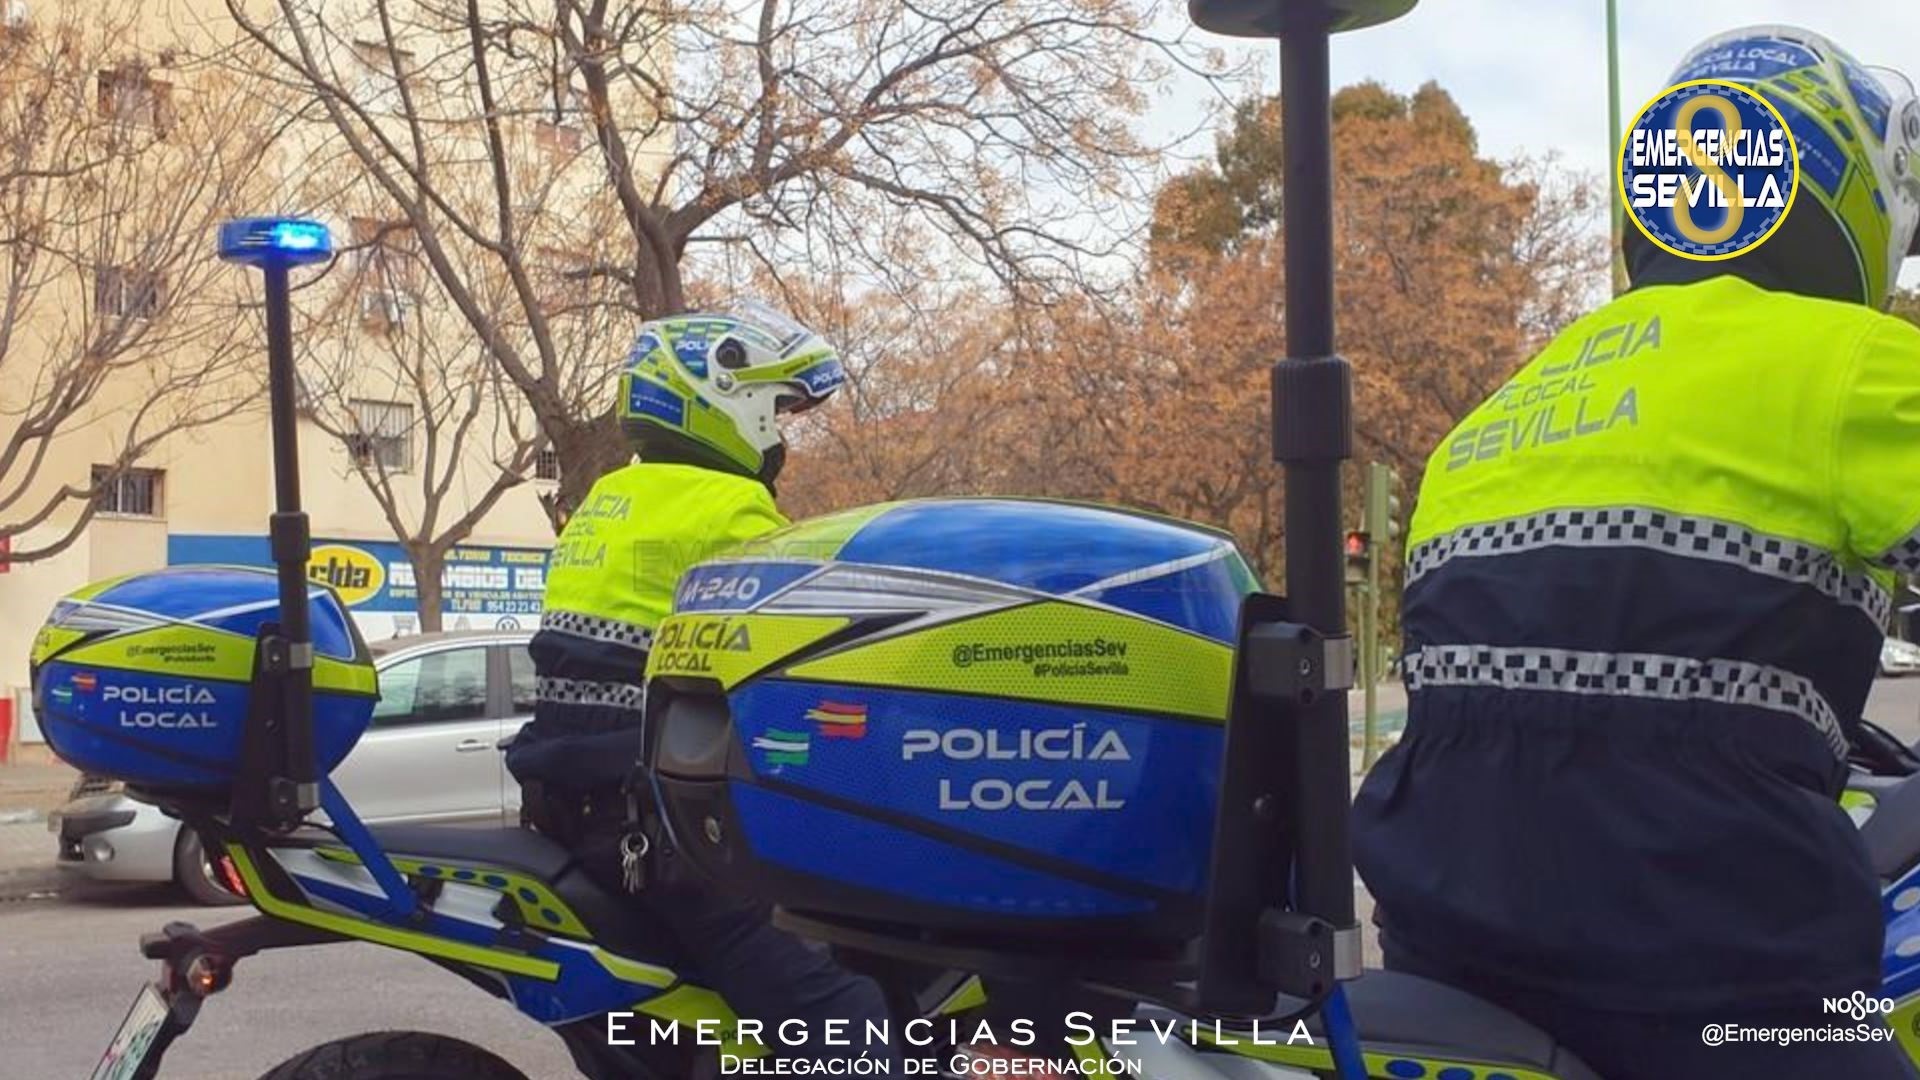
(146, 678)
(976, 715)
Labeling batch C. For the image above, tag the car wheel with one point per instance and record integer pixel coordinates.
(195, 873)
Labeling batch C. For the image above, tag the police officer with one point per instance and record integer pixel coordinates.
(699, 398)
(1642, 613)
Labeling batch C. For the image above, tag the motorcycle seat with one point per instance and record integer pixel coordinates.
(521, 850)
(615, 922)
(1397, 1014)
(1405, 1017)
(1428, 1018)
(1892, 834)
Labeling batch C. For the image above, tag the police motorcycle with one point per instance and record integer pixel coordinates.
(1007, 755)
(1065, 749)
(943, 739)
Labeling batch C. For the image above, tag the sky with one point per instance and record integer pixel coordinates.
(1531, 74)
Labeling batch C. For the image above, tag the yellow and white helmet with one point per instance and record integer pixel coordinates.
(719, 381)
(1857, 130)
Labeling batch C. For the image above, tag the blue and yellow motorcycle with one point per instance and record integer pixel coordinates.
(1019, 759)
(1008, 716)
(809, 697)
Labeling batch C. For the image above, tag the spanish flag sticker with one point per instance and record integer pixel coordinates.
(839, 721)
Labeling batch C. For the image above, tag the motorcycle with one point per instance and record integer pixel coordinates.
(1250, 925)
(513, 914)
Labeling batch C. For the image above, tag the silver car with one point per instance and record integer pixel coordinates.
(446, 702)
(1898, 657)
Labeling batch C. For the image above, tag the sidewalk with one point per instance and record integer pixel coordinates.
(1390, 702)
(29, 789)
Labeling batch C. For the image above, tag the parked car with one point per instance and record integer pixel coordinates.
(446, 701)
(1899, 657)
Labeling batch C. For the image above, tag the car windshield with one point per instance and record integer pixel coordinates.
(388, 646)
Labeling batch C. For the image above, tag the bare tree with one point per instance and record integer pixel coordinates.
(1004, 127)
(115, 168)
(424, 415)
(929, 407)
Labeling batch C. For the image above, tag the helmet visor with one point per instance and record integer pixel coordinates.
(1903, 130)
(764, 316)
(794, 404)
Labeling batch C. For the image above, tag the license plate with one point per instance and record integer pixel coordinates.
(134, 1041)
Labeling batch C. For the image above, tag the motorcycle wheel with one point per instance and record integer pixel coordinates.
(395, 1055)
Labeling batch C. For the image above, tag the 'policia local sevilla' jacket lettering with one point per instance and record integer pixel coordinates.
(610, 580)
(1646, 586)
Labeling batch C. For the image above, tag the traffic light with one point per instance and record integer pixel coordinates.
(1358, 544)
(1383, 503)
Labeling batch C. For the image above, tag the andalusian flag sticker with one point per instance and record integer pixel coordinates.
(839, 721)
(784, 747)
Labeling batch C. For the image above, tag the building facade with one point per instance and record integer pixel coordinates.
(383, 349)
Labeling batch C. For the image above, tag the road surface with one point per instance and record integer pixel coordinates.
(69, 968)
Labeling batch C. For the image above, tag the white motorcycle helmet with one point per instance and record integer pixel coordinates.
(1857, 130)
(718, 382)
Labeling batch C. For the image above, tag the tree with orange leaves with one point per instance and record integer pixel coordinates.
(1452, 269)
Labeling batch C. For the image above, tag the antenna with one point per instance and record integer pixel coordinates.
(1285, 781)
(280, 725)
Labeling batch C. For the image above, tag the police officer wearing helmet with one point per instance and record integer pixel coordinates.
(699, 400)
(1635, 652)
(699, 397)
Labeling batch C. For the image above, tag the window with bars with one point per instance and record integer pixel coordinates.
(384, 311)
(546, 465)
(123, 292)
(386, 254)
(128, 491)
(383, 435)
(386, 266)
(130, 95)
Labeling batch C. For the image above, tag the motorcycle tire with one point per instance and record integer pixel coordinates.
(395, 1055)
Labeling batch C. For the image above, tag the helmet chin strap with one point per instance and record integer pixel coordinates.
(771, 462)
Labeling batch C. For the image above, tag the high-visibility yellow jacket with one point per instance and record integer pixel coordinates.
(610, 580)
(1647, 581)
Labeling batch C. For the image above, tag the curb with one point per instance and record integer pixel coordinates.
(32, 883)
(28, 875)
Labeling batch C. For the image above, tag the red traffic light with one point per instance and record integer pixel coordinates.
(1357, 542)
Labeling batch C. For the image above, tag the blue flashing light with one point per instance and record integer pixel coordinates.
(275, 242)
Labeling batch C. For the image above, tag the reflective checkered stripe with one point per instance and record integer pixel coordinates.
(1903, 556)
(1675, 534)
(1636, 675)
(614, 695)
(598, 628)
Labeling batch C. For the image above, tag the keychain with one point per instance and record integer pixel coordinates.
(633, 849)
